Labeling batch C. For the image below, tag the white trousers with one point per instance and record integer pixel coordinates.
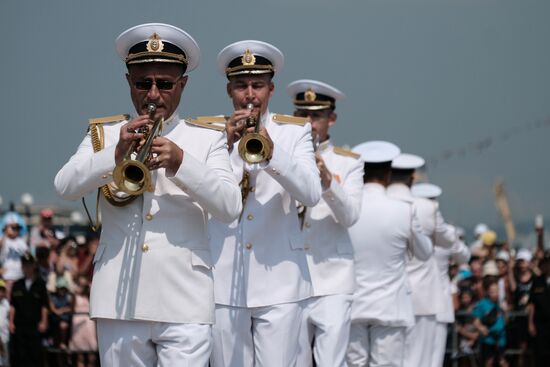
(260, 336)
(375, 345)
(419, 343)
(326, 323)
(147, 343)
(439, 344)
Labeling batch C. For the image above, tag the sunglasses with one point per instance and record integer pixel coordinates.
(147, 84)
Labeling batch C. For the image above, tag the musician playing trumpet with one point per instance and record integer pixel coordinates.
(326, 317)
(260, 274)
(152, 290)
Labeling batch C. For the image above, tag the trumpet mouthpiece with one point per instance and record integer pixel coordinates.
(249, 106)
(151, 107)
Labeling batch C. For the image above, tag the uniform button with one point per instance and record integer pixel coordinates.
(104, 176)
(145, 247)
(149, 216)
(307, 225)
(249, 217)
(248, 246)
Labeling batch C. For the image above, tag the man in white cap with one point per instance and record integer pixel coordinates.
(326, 318)
(459, 254)
(260, 274)
(476, 247)
(386, 233)
(427, 291)
(152, 290)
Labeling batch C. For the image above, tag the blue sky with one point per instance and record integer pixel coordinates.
(465, 84)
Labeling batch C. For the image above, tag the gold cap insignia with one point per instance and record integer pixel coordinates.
(248, 58)
(309, 95)
(155, 44)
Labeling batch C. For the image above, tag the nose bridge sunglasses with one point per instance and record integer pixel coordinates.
(161, 84)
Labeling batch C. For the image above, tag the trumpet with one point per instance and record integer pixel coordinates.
(132, 175)
(253, 147)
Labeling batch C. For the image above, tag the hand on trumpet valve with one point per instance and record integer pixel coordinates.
(130, 135)
(237, 125)
(165, 154)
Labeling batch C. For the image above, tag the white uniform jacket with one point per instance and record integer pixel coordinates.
(383, 237)
(260, 261)
(328, 245)
(427, 290)
(153, 261)
(460, 254)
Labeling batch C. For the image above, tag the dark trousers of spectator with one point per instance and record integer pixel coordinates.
(26, 348)
(542, 348)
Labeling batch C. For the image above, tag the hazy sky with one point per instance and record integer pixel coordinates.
(464, 83)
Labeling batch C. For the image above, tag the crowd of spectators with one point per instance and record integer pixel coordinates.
(498, 307)
(501, 298)
(45, 279)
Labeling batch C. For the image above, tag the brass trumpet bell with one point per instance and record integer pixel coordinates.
(254, 147)
(132, 175)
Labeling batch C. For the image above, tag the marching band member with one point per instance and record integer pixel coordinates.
(152, 290)
(260, 274)
(386, 233)
(326, 318)
(459, 254)
(427, 290)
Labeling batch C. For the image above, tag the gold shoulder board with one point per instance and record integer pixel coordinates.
(287, 119)
(346, 152)
(208, 122)
(108, 119)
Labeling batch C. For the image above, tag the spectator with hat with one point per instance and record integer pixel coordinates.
(521, 288)
(61, 313)
(28, 317)
(152, 290)
(12, 248)
(44, 234)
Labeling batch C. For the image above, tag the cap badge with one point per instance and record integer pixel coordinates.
(248, 58)
(155, 43)
(310, 95)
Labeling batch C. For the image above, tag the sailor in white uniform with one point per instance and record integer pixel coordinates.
(261, 276)
(326, 318)
(427, 289)
(458, 254)
(386, 234)
(152, 290)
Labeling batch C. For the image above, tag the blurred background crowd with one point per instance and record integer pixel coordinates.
(501, 295)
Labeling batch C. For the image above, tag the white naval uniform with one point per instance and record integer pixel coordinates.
(260, 271)
(384, 236)
(427, 290)
(460, 254)
(326, 317)
(153, 262)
